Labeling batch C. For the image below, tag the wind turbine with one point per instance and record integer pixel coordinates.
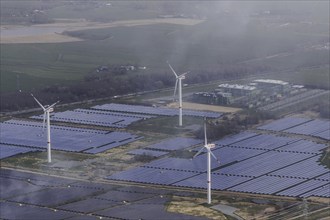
(179, 79)
(47, 109)
(208, 147)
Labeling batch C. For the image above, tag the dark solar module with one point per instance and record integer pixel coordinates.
(53, 197)
(10, 210)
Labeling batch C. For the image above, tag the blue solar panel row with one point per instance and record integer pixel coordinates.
(264, 163)
(25, 133)
(264, 142)
(322, 191)
(284, 123)
(175, 144)
(11, 150)
(317, 127)
(151, 175)
(303, 146)
(235, 138)
(154, 110)
(266, 185)
(308, 169)
(219, 182)
(231, 154)
(96, 117)
(149, 152)
(196, 165)
(303, 188)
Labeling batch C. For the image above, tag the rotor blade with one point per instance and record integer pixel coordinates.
(44, 122)
(38, 102)
(175, 88)
(214, 156)
(176, 75)
(199, 152)
(52, 105)
(183, 74)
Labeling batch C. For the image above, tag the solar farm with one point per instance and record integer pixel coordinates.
(34, 196)
(280, 159)
(248, 164)
(28, 134)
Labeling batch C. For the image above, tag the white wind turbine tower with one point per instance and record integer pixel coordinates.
(47, 109)
(179, 79)
(208, 147)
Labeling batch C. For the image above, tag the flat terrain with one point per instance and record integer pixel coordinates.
(14, 34)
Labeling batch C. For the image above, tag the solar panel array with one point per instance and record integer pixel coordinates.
(154, 110)
(29, 134)
(35, 196)
(317, 127)
(284, 123)
(11, 150)
(249, 162)
(96, 117)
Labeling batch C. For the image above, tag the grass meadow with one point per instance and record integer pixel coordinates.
(212, 44)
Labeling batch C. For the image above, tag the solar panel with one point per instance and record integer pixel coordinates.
(89, 205)
(248, 163)
(264, 163)
(219, 182)
(9, 210)
(151, 175)
(96, 117)
(175, 144)
(154, 110)
(11, 150)
(13, 187)
(152, 208)
(53, 197)
(284, 123)
(308, 169)
(266, 185)
(317, 127)
(303, 188)
(26, 133)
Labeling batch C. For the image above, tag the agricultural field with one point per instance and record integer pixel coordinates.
(256, 43)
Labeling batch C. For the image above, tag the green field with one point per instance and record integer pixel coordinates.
(187, 48)
(217, 44)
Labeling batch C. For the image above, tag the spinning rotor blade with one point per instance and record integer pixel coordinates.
(199, 152)
(51, 106)
(183, 74)
(214, 156)
(176, 75)
(38, 102)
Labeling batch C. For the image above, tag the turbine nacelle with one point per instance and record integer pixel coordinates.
(210, 146)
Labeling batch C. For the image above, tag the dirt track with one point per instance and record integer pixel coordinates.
(75, 25)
